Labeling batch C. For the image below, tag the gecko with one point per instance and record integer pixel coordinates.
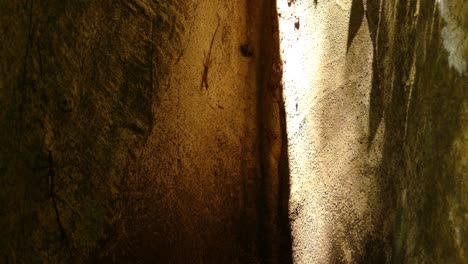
(208, 60)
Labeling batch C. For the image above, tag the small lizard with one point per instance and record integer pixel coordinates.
(208, 60)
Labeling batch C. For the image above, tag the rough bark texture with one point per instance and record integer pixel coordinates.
(129, 131)
(79, 81)
(377, 121)
(135, 131)
(424, 105)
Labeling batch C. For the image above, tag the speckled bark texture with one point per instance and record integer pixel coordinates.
(215, 131)
(377, 124)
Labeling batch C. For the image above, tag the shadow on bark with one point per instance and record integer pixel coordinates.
(274, 237)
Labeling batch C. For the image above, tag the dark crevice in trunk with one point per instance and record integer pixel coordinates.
(274, 236)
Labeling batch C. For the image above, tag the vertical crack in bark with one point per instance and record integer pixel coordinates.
(52, 195)
(28, 42)
(25, 67)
